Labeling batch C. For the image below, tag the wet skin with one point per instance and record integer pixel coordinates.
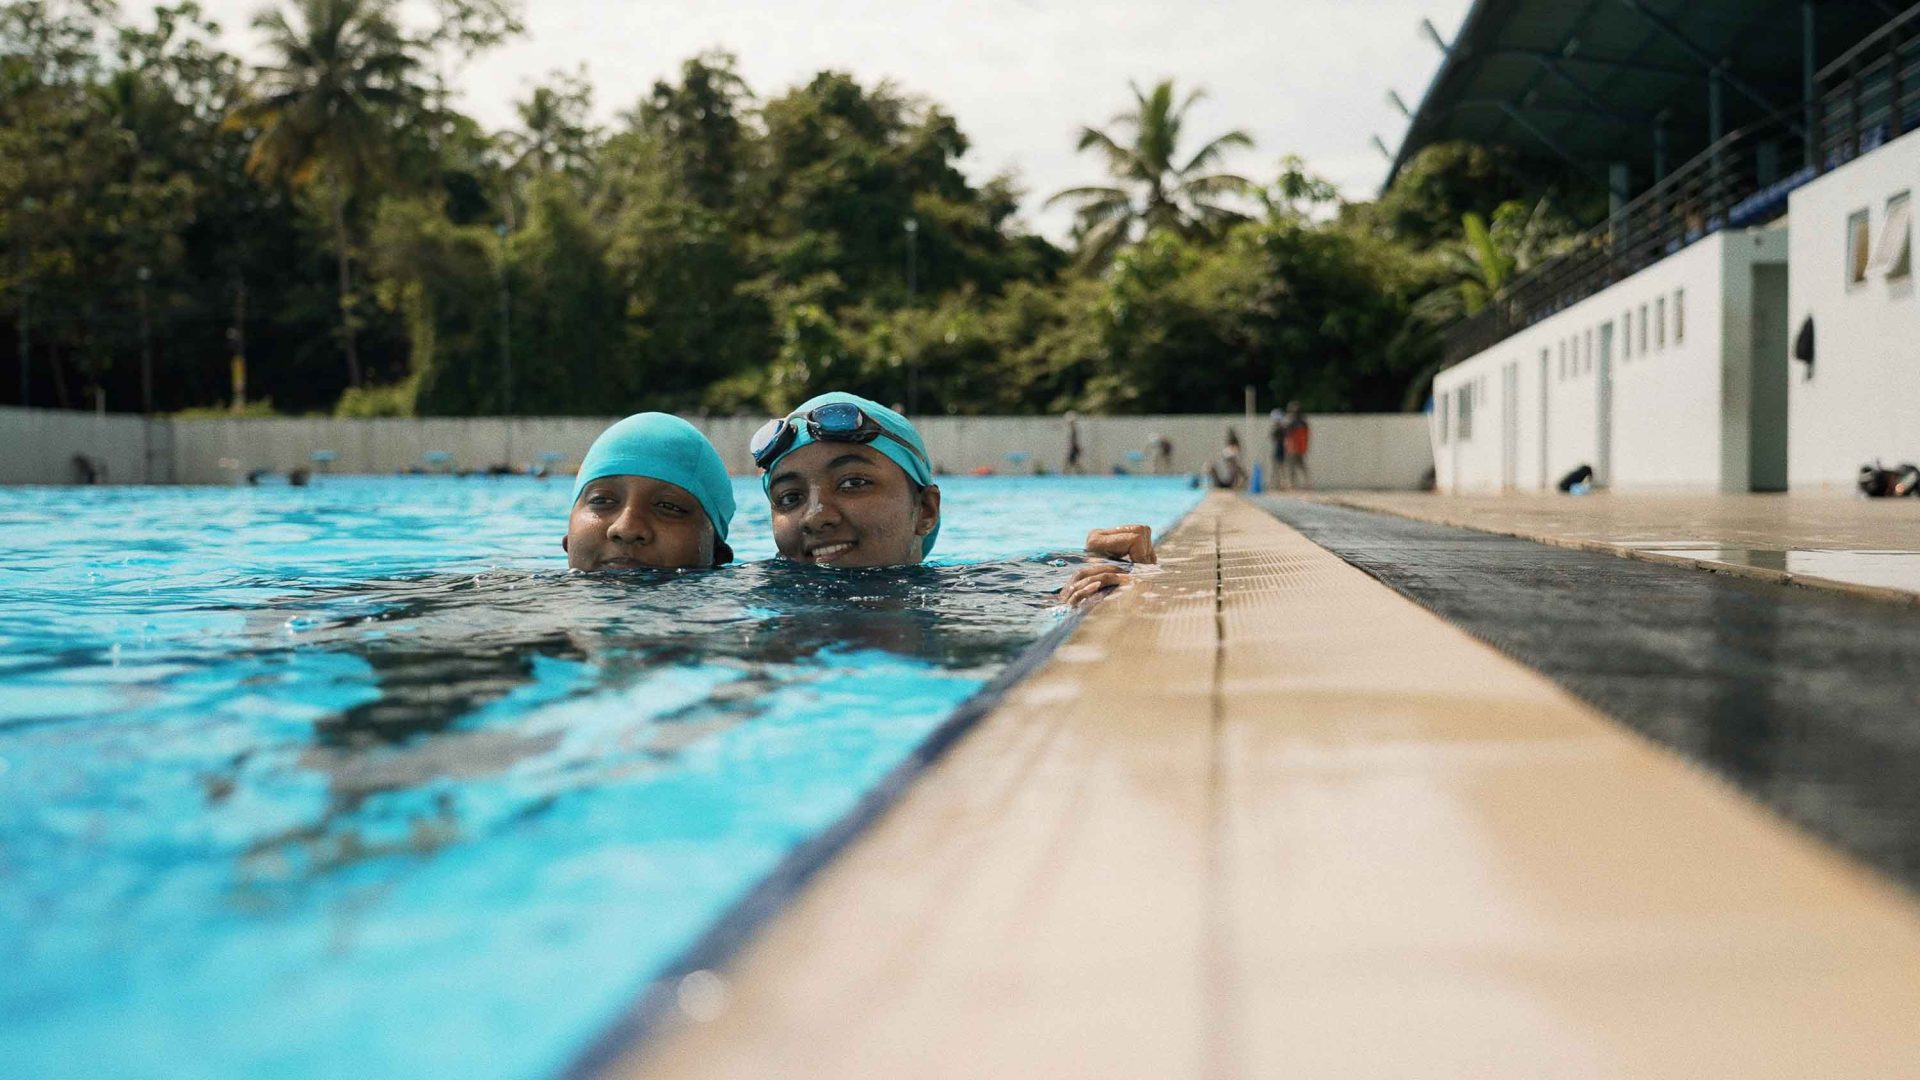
(627, 522)
(847, 504)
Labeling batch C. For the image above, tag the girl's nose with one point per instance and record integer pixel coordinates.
(820, 512)
(632, 526)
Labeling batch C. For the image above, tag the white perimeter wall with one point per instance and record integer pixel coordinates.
(1863, 398)
(1678, 405)
(37, 446)
(1382, 451)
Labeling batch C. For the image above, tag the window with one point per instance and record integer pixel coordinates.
(1563, 361)
(1679, 316)
(1857, 247)
(1626, 334)
(1446, 415)
(1894, 256)
(1588, 350)
(1660, 323)
(1643, 329)
(1463, 411)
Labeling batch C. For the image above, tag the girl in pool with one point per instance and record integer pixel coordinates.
(652, 492)
(850, 484)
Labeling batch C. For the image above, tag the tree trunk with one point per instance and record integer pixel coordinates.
(339, 206)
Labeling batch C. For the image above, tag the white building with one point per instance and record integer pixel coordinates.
(1851, 272)
(1761, 182)
(1674, 379)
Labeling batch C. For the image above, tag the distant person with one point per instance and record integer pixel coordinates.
(1228, 471)
(1072, 467)
(1298, 435)
(1277, 435)
(1160, 449)
(651, 492)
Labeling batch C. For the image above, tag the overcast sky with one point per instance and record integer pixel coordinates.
(1301, 76)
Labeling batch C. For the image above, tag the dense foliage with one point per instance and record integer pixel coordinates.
(327, 227)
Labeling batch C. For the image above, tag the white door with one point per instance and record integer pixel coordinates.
(1546, 481)
(1603, 422)
(1510, 426)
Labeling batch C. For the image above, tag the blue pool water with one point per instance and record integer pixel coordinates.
(356, 780)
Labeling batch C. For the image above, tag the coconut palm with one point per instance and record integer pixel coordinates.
(1489, 257)
(1153, 190)
(325, 112)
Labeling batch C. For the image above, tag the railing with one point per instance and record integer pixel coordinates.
(1867, 96)
(1871, 93)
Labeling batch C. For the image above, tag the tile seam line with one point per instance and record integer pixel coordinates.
(1220, 1056)
(1881, 594)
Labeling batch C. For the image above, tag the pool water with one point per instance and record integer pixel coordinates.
(356, 780)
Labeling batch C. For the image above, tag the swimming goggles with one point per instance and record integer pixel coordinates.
(839, 421)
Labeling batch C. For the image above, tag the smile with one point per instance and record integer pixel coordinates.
(830, 552)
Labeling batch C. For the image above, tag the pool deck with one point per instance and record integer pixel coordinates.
(1869, 547)
(1262, 816)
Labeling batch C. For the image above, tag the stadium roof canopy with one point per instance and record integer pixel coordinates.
(1594, 83)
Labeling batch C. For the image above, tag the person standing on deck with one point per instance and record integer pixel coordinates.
(1298, 434)
(1277, 435)
(1072, 467)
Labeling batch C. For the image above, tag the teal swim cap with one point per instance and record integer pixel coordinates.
(663, 447)
(917, 467)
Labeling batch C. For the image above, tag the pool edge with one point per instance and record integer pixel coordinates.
(773, 893)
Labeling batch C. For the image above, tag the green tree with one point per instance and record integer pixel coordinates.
(700, 129)
(556, 132)
(1153, 189)
(326, 113)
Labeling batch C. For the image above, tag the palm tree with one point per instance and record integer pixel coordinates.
(1152, 190)
(325, 112)
(1489, 257)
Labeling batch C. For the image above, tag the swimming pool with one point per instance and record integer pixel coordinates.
(355, 780)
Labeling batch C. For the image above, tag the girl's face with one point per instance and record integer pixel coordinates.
(847, 504)
(621, 522)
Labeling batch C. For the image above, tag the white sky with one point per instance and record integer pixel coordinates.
(1301, 76)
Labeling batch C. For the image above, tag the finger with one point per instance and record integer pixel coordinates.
(1094, 584)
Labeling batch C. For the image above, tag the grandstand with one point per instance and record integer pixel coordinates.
(1760, 159)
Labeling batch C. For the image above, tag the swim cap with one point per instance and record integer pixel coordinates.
(917, 468)
(663, 447)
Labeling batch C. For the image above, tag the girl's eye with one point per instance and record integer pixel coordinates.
(786, 499)
(600, 500)
(855, 482)
(670, 508)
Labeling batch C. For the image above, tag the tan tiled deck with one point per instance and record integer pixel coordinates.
(1866, 546)
(1263, 817)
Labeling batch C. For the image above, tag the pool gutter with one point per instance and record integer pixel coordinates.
(1261, 815)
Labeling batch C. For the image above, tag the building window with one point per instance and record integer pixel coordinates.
(1626, 334)
(1857, 247)
(1660, 323)
(1894, 256)
(1463, 411)
(1643, 330)
(1679, 316)
(1563, 361)
(1587, 350)
(1446, 416)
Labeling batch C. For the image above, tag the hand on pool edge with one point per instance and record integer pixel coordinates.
(1133, 543)
(1092, 581)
